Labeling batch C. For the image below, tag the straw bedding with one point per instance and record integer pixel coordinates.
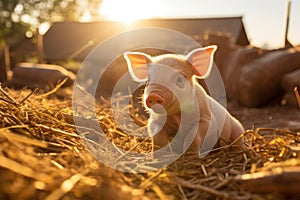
(42, 157)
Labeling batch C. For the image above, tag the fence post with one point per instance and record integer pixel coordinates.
(4, 63)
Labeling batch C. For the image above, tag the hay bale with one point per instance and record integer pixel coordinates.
(259, 81)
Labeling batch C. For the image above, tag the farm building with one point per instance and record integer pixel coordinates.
(74, 40)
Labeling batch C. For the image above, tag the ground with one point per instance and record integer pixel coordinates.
(42, 157)
(269, 116)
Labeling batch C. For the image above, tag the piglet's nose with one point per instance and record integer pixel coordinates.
(153, 99)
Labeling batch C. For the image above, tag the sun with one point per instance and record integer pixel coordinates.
(129, 11)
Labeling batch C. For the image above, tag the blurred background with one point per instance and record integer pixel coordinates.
(65, 31)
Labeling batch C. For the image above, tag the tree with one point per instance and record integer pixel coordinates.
(18, 17)
(8, 28)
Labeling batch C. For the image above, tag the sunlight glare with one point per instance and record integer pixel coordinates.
(130, 10)
(43, 27)
(86, 17)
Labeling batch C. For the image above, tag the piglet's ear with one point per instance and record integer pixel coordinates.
(137, 65)
(202, 60)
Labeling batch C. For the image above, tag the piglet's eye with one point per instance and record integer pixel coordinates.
(180, 82)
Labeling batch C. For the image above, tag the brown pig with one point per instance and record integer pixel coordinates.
(180, 110)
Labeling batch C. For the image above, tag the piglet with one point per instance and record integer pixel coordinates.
(178, 106)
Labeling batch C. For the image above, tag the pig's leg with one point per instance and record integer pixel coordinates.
(196, 144)
(200, 135)
(161, 139)
(231, 129)
(236, 129)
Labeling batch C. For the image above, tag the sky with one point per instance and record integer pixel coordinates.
(264, 20)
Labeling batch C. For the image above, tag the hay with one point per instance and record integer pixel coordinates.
(297, 95)
(42, 157)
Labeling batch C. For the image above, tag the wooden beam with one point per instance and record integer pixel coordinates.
(40, 47)
(288, 12)
(4, 63)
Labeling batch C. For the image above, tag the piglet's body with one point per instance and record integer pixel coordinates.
(178, 104)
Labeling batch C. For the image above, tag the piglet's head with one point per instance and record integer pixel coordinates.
(170, 76)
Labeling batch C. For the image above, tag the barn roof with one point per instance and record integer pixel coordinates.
(74, 40)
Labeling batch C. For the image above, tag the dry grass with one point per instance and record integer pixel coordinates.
(42, 157)
(297, 95)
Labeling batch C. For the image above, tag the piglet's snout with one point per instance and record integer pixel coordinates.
(155, 99)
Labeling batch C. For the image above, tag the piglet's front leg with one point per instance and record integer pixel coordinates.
(163, 128)
(194, 146)
(188, 139)
(161, 139)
